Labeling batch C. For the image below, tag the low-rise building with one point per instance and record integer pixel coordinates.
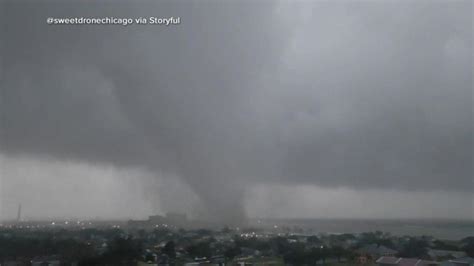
(466, 261)
(389, 261)
(438, 254)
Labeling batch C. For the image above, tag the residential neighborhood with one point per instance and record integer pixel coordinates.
(138, 243)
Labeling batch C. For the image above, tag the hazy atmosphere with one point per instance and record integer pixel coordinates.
(341, 109)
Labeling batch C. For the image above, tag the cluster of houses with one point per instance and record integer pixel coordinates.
(388, 261)
(155, 233)
(384, 256)
(368, 254)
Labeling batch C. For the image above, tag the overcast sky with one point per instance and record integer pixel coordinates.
(275, 109)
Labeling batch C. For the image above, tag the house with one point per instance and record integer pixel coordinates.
(438, 254)
(387, 261)
(46, 261)
(375, 251)
(466, 261)
(362, 259)
(14, 263)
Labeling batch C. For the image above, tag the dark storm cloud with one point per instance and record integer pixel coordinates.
(342, 94)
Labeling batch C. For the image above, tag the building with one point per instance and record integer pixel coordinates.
(438, 254)
(46, 261)
(388, 261)
(375, 251)
(466, 261)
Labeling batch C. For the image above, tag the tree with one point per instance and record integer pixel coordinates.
(385, 242)
(313, 240)
(324, 253)
(280, 245)
(438, 244)
(121, 250)
(226, 230)
(169, 249)
(415, 248)
(253, 243)
(338, 252)
(468, 245)
(201, 249)
(141, 233)
(297, 255)
(232, 252)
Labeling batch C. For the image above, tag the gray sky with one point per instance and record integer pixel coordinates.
(278, 109)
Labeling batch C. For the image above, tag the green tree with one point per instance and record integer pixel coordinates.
(200, 249)
(169, 249)
(338, 252)
(313, 240)
(297, 255)
(468, 246)
(232, 252)
(121, 250)
(414, 248)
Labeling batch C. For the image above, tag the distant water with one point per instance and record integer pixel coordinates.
(441, 229)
